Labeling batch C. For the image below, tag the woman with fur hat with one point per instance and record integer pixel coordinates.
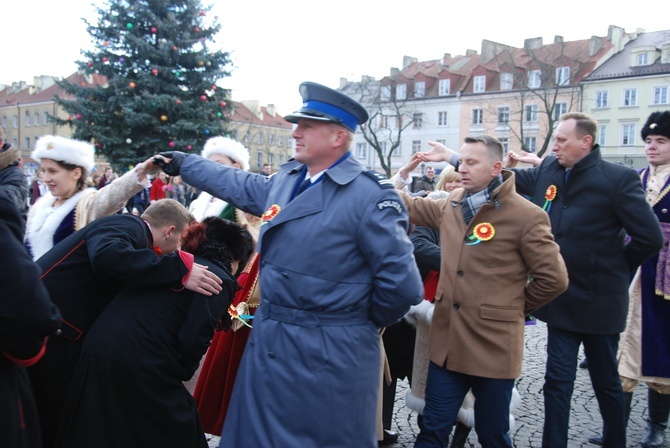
(70, 205)
(219, 369)
(127, 388)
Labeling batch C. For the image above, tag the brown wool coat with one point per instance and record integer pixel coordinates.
(483, 293)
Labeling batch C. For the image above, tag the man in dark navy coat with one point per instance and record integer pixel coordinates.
(86, 270)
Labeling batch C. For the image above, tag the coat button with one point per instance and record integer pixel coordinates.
(665, 210)
(460, 273)
(59, 332)
(271, 355)
(456, 306)
(284, 274)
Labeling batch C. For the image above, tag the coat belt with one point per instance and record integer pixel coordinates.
(312, 319)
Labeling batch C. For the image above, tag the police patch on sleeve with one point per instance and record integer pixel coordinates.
(389, 203)
(382, 180)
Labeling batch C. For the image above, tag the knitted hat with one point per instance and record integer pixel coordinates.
(658, 123)
(229, 148)
(61, 149)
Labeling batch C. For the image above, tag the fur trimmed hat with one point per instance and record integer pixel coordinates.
(658, 123)
(61, 149)
(229, 148)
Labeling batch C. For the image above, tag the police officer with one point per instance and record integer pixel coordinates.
(336, 265)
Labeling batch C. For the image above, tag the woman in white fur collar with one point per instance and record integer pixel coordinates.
(69, 205)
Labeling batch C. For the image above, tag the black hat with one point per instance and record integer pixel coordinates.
(325, 104)
(658, 123)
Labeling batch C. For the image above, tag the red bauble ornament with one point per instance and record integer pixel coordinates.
(178, 101)
(196, 30)
(132, 85)
(79, 117)
(153, 29)
(223, 104)
(188, 148)
(154, 71)
(90, 64)
(105, 59)
(203, 97)
(171, 144)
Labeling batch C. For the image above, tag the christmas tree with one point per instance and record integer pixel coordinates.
(158, 90)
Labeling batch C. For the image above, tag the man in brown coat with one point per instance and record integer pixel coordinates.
(499, 262)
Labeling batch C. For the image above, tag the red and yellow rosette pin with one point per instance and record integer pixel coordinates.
(270, 213)
(482, 232)
(240, 314)
(549, 197)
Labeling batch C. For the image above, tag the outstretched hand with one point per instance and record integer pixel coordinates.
(170, 162)
(203, 281)
(525, 157)
(439, 153)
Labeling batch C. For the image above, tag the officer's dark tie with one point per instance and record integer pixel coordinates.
(303, 186)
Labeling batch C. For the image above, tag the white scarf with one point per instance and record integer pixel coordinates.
(206, 205)
(44, 220)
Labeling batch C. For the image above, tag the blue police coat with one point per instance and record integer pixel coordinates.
(336, 265)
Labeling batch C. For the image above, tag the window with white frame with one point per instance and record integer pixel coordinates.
(534, 79)
(417, 119)
(259, 159)
(4, 122)
(361, 152)
(503, 115)
(46, 119)
(627, 134)
(660, 95)
(280, 159)
(259, 138)
(272, 139)
(416, 146)
(444, 87)
(504, 141)
(562, 76)
(530, 144)
(386, 93)
(479, 84)
(477, 116)
(383, 121)
(398, 121)
(419, 89)
(398, 151)
(560, 109)
(442, 118)
(27, 119)
(280, 140)
(271, 159)
(629, 97)
(36, 119)
(15, 121)
(401, 91)
(602, 99)
(642, 59)
(382, 146)
(247, 137)
(530, 112)
(506, 81)
(602, 134)
(27, 142)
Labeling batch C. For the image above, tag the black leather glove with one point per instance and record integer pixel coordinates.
(173, 167)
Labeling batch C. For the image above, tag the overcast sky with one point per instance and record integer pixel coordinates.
(276, 45)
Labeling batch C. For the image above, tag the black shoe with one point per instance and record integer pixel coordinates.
(584, 364)
(597, 440)
(390, 437)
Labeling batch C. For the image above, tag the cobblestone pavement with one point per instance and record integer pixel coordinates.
(585, 418)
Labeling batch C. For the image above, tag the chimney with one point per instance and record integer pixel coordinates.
(532, 43)
(471, 52)
(595, 44)
(395, 71)
(558, 39)
(665, 53)
(270, 109)
(343, 83)
(407, 60)
(446, 56)
(254, 107)
(615, 34)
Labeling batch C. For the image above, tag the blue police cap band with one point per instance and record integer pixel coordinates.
(319, 107)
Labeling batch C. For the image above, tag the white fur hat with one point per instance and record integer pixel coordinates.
(66, 150)
(229, 148)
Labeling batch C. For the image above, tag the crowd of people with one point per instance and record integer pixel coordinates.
(294, 301)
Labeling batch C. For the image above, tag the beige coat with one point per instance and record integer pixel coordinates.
(484, 293)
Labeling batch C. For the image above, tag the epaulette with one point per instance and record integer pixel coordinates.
(381, 180)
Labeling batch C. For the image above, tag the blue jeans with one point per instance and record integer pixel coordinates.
(445, 391)
(562, 352)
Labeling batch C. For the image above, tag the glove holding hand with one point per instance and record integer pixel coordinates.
(173, 167)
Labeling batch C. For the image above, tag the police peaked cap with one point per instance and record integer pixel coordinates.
(325, 104)
(658, 123)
